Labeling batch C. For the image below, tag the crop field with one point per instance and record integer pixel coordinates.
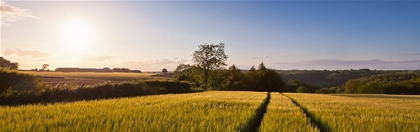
(221, 111)
(381, 113)
(283, 116)
(78, 78)
(207, 111)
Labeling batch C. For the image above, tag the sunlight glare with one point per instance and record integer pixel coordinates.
(77, 34)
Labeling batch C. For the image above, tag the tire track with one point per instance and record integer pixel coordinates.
(255, 122)
(316, 123)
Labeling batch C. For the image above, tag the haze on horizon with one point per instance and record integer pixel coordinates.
(150, 36)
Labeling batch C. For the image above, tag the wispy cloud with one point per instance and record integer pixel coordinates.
(346, 62)
(97, 57)
(259, 57)
(22, 53)
(11, 14)
(412, 54)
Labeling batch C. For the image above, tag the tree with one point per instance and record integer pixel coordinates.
(352, 86)
(371, 88)
(302, 89)
(251, 79)
(7, 64)
(264, 79)
(234, 79)
(14, 66)
(209, 57)
(45, 66)
(269, 79)
(186, 72)
(164, 70)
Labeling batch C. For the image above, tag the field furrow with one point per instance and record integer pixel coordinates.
(207, 111)
(362, 112)
(283, 116)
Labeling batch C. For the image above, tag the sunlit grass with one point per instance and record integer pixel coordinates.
(283, 116)
(207, 111)
(363, 112)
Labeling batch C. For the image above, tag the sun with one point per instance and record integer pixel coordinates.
(77, 34)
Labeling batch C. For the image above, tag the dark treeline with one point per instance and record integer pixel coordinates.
(328, 78)
(354, 81)
(232, 78)
(389, 83)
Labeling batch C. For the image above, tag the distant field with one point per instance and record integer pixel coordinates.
(222, 111)
(369, 112)
(92, 77)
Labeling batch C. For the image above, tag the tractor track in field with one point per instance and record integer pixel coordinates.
(316, 123)
(255, 122)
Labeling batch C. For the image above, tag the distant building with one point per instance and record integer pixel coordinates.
(87, 70)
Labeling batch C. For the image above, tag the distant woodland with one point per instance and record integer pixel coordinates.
(354, 81)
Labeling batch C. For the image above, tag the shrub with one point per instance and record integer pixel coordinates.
(303, 89)
(372, 88)
(14, 80)
(170, 86)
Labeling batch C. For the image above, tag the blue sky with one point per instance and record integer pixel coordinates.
(153, 35)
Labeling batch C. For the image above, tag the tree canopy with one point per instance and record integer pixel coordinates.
(209, 57)
(7, 64)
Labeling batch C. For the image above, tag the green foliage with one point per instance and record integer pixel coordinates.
(294, 84)
(264, 79)
(302, 89)
(389, 83)
(371, 88)
(186, 72)
(13, 80)
(352, 86)
(323, 90)
(336, 89)
(234, 79)
(327, 78)
(216, 79)
(170, 86)
(209, 57)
